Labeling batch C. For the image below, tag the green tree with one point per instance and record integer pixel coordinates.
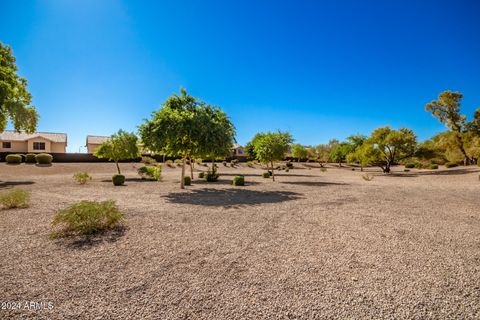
(323, 151)
(339, 153)
(299, 152)
(121, 146)
(366, 155)
(272, 146)
(390, 146)
(14, 97)
(447, 110)
(216, 135)
(250, 147)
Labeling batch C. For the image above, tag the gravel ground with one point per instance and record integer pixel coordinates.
(312, 245)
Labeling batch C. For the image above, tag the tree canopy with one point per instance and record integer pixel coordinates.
(299, 152)
(121, 146)
(271, 146)
(15, 99)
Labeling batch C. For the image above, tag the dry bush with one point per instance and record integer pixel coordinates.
(16, 198)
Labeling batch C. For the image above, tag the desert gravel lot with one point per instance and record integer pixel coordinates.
(312, 245)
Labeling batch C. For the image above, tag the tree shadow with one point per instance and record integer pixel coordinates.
(230, 197)
(314, 183)
(11, 184)
(432, 173)
(43, 165)
(222, 182)
(85, 242)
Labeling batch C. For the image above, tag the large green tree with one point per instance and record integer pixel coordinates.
(187, 127)
(447, 110)
(272, 146)
(389, 146)
(121, 146)
(15, 99)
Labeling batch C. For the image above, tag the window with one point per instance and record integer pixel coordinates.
(6, 145)
(39, 146)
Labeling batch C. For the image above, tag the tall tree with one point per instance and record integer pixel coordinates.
(272, 146)
(14, 97)
(121, 146)
(447, 110)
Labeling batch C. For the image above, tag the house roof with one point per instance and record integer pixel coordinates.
(96, 139)
(236, 146)
(10, 135)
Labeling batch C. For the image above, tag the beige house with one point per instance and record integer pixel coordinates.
(93, 142)
(239, 151)
(20, 142)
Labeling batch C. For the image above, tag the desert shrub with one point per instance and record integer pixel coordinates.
(30, 158)
(224, 163)
(148, 160)
(82, 177)
(289, 165)
(150, 172)
(16, 198)
(234, 162)
(433, 166)
(118, 179)
(187, 180)
(187, 162)
(410, 165)
(238, 181)
(44, 158)
(86, 218)
(201, 175)
(420, 165)
(13, 159)
(212, 176)
(287, 170)
(367, 177)
(266, 175)
(322, 169)
(451, 164)
(169, 163)
(250, 164)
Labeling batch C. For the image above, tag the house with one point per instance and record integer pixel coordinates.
(239, 151)
(39, 142)
(93, 142)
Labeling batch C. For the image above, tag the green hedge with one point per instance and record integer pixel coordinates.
(118, 179)
(44, 158)
(13, 159)
(30, 158)
(238, 181)
(451, 164)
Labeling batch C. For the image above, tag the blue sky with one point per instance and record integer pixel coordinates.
(319, 69)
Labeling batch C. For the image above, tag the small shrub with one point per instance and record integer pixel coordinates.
(118, 179)
(86, 218)
(289, 165)
(410, 165)
(148, 160)
(367, 177)
(199, 161)
(266, 175)
(44, 158)
(451, 164)
(250, 164)
(322, 169)
(16, 198)
(433, 166)
(187, 162)
(234, 163)
(150, 172)
(224, 163)
(187, 180)
(212, 176)
(13, 159)
(406, 170)
(201, 175)
(169, 163)
(30, 158)
(82, 177)
(238, 181)
(287, 170)
(419, 165)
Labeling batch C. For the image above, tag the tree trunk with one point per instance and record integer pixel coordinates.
(118, 167)
(182, 180)
(191, 169)
(466, 159)
(273, 173)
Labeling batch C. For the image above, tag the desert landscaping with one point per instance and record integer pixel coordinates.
(313, 244)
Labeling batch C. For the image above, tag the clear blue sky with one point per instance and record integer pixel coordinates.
(320, 69)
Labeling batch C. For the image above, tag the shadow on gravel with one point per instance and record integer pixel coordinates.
(230, 198)
(85, 242)
(222, 182)
(314, 183)
(432, 173)
(11, 184)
